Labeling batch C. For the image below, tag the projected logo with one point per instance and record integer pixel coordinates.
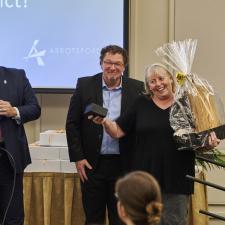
(38, 55)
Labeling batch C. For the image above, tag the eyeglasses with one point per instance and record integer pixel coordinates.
(116, 64)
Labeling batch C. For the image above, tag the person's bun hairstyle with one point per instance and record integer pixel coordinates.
(154, 211)
(139, 193)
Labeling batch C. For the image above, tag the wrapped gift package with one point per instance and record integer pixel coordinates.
(53, 138)
(197, 109)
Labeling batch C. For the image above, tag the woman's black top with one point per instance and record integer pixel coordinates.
(156, 151)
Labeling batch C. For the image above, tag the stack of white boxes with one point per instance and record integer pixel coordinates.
(50, 154)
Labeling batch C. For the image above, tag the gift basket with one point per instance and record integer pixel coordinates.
(197, 109)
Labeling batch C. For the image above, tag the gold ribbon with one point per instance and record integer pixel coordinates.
(181, 78)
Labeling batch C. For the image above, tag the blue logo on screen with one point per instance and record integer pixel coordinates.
(34, 53)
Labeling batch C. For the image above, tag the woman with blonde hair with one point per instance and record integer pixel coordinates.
(156, 150)
(139, 199)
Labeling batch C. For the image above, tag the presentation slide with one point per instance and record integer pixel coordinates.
(57, 41)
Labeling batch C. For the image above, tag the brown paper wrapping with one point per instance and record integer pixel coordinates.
(204, 109)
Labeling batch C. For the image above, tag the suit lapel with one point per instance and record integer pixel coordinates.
(125, 94)
(98, 88)
(3, 84)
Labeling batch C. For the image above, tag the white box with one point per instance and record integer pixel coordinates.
(64, 154)
(53, 138)
(41, 152)
(50, 159)
(39, 165)
(67, 166)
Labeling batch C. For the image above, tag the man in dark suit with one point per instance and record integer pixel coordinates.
(18, 105)
(100, 159)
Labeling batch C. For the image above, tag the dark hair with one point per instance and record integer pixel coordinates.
(114, 49)
(140, 195)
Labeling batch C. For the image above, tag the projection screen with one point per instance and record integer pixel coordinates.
(57, 41)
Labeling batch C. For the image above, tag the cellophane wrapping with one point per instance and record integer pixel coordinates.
(196, 109)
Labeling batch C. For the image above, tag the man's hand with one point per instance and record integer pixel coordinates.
(6, 109)
(80, 165)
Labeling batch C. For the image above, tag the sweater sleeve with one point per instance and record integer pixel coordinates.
(127, 121)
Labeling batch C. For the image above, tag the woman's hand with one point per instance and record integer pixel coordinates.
(213, 140)
(110, 126)
(97, 119)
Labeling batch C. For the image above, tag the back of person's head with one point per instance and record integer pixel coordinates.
(139, 198)
(114, 49)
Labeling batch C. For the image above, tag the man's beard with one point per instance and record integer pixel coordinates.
(112, 81)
